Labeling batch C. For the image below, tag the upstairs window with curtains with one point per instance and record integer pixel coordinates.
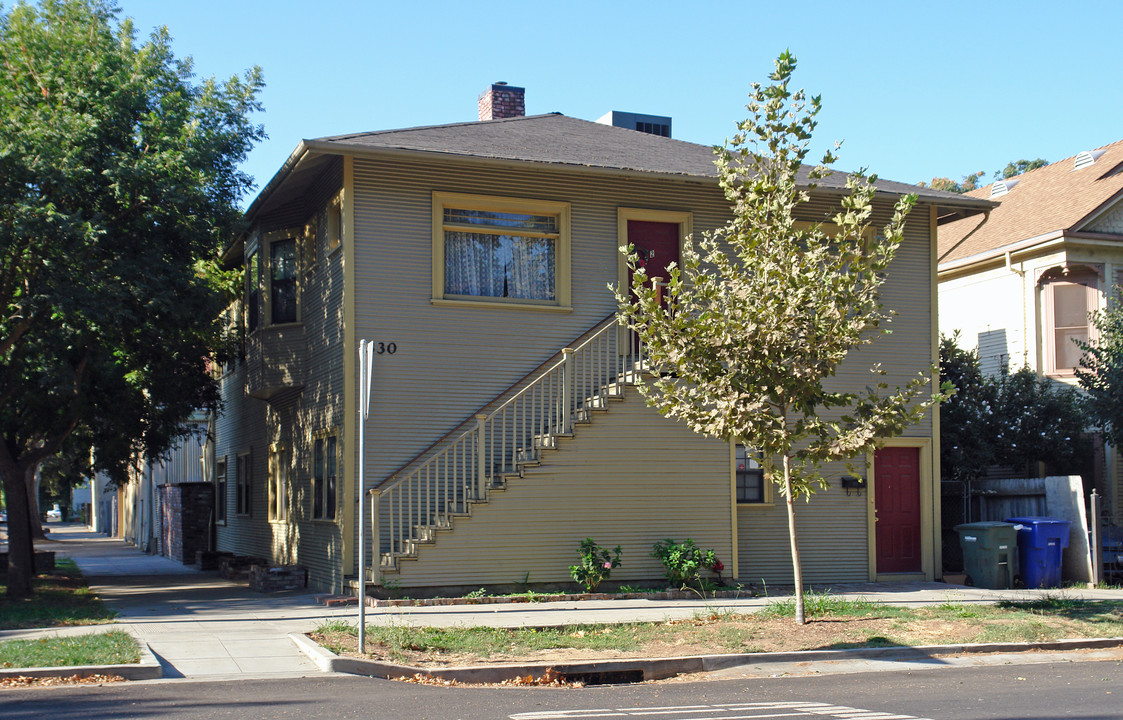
(501, 250)
(282, 281)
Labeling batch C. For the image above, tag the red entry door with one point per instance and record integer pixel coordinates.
(657, 245)
(897, 507)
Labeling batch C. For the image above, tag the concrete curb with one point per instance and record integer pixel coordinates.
(640, 669)
(147, 669)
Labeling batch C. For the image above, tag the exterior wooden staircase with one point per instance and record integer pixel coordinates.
(466, 467)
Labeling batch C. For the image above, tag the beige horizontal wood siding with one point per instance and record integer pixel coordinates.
(631, 477)
(292, 417)
(451, 361)
(832, 530)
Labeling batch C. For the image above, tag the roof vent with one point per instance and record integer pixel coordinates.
(650, 124)
(1085, 158)
(1001, 187)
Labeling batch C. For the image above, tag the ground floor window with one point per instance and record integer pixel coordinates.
(324, 463)
(220, 490)
(243, 481)
(278, 484)
(749, 476)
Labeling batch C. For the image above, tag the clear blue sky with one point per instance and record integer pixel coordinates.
(915, 90)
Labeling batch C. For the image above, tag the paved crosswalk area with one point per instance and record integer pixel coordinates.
(725, 711)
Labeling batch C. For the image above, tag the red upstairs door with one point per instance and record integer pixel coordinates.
(897, 508)
(657, 245)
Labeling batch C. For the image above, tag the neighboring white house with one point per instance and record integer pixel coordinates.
(1019, 282)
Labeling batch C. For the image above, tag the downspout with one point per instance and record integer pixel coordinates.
(1025, 320)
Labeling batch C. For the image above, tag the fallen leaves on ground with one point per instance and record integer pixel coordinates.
(25, 681)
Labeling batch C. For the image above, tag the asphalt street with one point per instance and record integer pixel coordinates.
(1084, 690)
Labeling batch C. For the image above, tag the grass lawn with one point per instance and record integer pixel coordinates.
(112, 648)
(835, 624)
(61, 597)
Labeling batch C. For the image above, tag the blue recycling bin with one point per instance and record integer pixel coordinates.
(1041, 542)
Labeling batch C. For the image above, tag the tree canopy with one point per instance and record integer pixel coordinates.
(119, 184)
(971, 181)
(1015, 419)
(1020, 167)
(763, 311)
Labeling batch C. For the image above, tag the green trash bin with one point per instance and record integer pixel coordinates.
(990, 553)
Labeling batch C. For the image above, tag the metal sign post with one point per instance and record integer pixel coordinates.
(366, 360)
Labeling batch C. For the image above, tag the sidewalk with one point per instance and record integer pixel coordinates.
(201, 626)
(197, 624)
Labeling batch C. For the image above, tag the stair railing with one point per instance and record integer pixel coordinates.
(513, 434)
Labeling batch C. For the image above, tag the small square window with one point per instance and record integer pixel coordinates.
(749, 476)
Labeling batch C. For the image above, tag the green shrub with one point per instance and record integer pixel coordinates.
(683, 562)
(596, 564)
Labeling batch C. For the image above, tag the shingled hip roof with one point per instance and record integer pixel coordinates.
(560, 143)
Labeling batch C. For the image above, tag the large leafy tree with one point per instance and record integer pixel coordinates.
(118, 184)
(967, 418)
(751, 328)
(1015, 419)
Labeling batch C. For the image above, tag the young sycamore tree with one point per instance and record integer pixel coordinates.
(746, 333)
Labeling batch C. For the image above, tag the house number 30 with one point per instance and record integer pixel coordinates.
(385, 348)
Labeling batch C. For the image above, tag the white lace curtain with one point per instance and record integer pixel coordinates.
(488, 265)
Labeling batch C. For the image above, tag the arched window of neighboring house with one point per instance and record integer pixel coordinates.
(1068, 296)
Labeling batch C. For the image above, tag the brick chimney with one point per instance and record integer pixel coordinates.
(502, 101)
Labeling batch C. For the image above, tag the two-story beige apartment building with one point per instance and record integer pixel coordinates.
(504, 426)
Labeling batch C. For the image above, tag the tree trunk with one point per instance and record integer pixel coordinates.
(797, 567)
(21, 548)
(33, 514)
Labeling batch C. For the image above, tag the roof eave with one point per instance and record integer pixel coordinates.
(278, 178)
(986, 256)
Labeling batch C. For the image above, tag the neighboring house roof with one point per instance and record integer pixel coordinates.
(559, 142)
(1043, 204)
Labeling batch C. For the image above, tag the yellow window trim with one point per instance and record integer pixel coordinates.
(222, 461)
(334, 224)
(768, 501)
(277, 454)
(562, 266)
(264, 246)
(335, 431)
